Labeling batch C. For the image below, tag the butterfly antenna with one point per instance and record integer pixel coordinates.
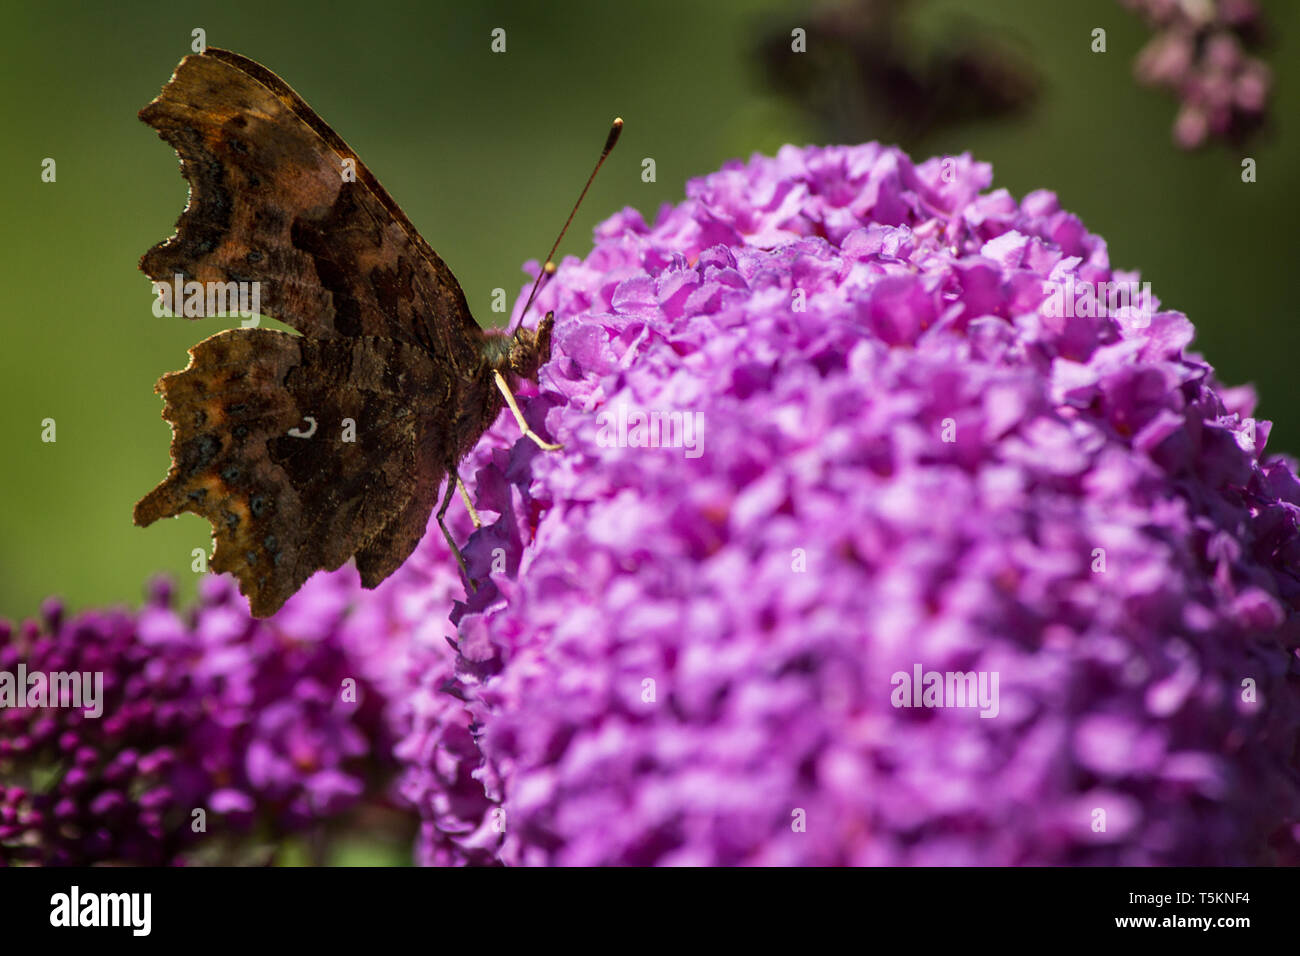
(549, 268)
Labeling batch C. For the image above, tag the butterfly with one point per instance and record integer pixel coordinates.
(304, 451)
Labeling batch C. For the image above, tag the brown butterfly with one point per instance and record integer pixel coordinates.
(306, 450)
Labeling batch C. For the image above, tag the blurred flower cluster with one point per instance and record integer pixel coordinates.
(1199, 52)
(263, 727)
(873, 74)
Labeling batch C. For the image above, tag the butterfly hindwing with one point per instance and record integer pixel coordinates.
(301, 454)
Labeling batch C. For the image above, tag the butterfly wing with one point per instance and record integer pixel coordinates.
(277, 198)
(273, 441)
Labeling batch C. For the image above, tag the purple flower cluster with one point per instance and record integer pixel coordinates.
(251, 722)
(834, 421)
(402, 639)
(906, 457)
(1198, 52)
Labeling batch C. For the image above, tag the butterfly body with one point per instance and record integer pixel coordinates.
(304, 451)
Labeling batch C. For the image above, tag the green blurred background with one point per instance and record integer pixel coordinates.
(486, 152)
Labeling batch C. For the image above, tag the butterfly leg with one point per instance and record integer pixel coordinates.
(519, 416)
(453, 480)
(464, 493)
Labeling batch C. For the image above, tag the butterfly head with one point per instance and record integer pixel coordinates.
(528, 349)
